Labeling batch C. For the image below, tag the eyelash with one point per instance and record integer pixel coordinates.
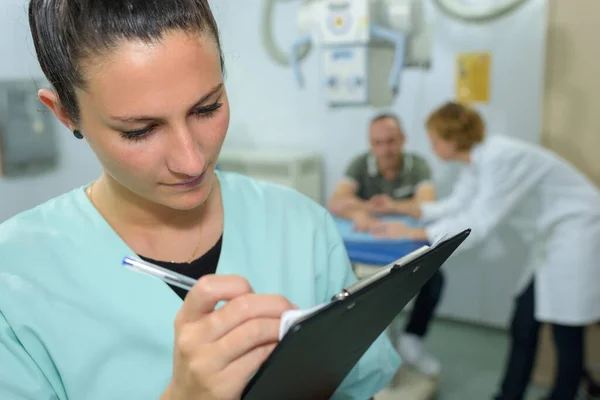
(139, 134)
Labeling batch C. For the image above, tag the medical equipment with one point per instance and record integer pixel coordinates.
(300, 170)
(28, 139)
(347, 33)
(351, 35)
(473, 11)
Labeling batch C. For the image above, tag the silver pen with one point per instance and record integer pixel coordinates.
(356, 286)
(165, 275)
(187, 283)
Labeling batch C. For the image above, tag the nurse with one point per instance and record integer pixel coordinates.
(555, 209)
(141, 81)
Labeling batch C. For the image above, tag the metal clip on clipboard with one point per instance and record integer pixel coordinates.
(379, 274)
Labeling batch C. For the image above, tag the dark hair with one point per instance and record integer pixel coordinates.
(391, 116)
(65, 32)
(458, 123)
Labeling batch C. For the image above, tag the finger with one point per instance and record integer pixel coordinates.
(375, 231)
(383, 232)
(240, 371)
(246, 337)
(242, 309)
(378, 226)
(229, 382)
(210, 290)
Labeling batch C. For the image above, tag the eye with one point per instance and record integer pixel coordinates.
(137, 134)
(207, 111)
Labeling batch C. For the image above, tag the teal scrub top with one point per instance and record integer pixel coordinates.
(76, 324)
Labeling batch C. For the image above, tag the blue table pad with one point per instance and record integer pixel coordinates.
(365, 248)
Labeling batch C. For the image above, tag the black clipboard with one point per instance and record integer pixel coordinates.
(317, 353)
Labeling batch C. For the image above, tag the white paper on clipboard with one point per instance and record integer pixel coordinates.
(289, 318)
(439, 240)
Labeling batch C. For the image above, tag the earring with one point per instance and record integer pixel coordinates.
(77, 134)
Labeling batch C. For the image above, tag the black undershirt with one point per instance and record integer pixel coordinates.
(206, 264)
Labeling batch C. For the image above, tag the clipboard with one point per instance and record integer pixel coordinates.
(317, 353)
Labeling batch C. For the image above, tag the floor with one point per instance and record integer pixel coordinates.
(472, 361)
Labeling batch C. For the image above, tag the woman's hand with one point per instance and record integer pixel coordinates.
(397, 230)
(390, 230)
(363, 221)
(217, 351)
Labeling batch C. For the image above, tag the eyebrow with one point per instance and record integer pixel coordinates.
(144, 118)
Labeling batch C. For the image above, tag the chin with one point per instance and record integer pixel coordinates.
(190, 200)
(185, 203)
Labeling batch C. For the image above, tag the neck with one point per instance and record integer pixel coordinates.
(117, 203)
(464, 157)
(390, 169)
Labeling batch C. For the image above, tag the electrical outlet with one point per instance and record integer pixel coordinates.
(28, 143)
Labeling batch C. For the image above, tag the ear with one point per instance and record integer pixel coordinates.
(402, 139)
(51, 100)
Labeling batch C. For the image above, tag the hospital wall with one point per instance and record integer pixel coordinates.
(77, 165)
(269, 111)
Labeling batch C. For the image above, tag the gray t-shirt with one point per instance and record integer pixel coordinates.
(363, 171)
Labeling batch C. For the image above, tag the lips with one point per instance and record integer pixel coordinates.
(190, 182)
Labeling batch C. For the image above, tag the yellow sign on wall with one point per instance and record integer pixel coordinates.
(473, 78)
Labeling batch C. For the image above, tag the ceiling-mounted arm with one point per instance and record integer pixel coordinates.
(471, 13)
(268, 40)
(297, 47)
(399, 40)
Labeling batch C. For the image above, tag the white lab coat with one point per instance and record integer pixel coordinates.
(555, 209)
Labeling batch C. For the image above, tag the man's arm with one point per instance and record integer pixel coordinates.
(424, 193)
(412, 207)
(344, 202)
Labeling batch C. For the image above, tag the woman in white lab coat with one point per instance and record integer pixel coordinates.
(555, 209)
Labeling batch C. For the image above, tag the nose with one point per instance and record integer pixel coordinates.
(185, 156)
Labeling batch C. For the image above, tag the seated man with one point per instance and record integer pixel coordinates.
(379, 182)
